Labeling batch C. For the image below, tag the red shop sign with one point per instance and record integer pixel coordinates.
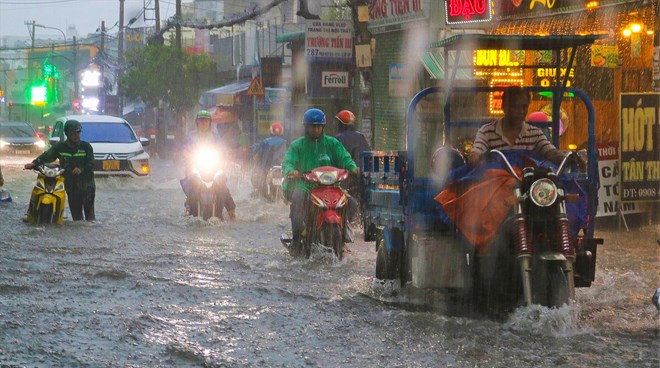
(467, 11)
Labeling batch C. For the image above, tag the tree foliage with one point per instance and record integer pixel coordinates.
(164, 73)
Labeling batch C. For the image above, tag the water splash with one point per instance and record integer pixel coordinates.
(539, 320)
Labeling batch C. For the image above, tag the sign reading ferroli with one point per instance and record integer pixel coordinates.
(639, 157)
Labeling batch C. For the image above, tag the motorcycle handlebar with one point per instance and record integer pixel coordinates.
(509, 168)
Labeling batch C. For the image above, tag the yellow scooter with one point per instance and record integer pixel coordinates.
(48, 197)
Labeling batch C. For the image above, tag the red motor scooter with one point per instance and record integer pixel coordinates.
(325, 221)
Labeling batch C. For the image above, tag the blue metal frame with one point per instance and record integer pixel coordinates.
(593, 182)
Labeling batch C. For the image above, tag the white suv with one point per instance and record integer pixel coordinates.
(117, 150)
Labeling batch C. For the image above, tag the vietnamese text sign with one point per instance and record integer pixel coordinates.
(608, 193)
(399, 81)
(383, 13)
(534, 7)
(467, 11)
(329, 40)
(639, 157)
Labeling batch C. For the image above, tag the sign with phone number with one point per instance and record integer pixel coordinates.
(639, 156)
(329, 40)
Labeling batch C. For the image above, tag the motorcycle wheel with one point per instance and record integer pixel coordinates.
(387, 262)
(332, 237)
(45, 215)
(551, 288)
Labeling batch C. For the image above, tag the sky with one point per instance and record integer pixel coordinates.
(85, 14)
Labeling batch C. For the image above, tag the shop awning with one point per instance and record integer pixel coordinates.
(514, 42)
(223, 96)
(290, 37)
(433, 62)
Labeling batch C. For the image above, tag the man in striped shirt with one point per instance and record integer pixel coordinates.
(511, 132)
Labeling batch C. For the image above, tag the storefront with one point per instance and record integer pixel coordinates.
(322, 70)
(399, 35)
(621, 62)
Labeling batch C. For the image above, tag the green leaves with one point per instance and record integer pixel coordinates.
(164, 73)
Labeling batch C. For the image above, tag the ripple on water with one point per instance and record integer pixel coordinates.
(112, 274)
(13, 289)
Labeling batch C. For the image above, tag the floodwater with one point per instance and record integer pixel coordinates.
(145, 286)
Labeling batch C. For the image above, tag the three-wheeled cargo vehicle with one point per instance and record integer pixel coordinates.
(544, 246)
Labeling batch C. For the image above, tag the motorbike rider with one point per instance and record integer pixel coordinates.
(355, 143)
(511, 132)
(312, 150)
(267, 154)
(203, 135)
(77, 159)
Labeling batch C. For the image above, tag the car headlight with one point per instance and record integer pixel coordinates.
(543, 192)
(40, 144)
(3, 144)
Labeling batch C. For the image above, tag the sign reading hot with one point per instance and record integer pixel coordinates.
(468, 11)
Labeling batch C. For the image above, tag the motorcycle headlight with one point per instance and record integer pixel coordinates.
(543, 192)
(328, 178)
(206, 159)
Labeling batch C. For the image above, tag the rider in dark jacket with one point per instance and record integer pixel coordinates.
(77, 159)
(355, 143)
(268, 153)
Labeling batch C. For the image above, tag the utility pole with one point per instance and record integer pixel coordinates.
(102, 70)
(157, 11)
(75, 69)
(31, 23)
(121, 58)
(177, 18)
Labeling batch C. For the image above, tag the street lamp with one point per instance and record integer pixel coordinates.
(55, 28)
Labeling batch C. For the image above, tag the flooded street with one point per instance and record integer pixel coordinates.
(145, 286)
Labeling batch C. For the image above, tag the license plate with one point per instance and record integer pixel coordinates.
(111, 165)
(22, 152)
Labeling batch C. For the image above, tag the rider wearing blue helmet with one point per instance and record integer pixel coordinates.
(314, 149)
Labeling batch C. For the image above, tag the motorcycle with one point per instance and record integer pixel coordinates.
(274, 184)
(202, 186)
(48, 197)
(541, 238)
(325, 223)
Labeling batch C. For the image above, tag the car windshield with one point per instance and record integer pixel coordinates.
(16, 131)
(107, 133)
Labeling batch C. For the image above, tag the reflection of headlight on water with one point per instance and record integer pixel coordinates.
(206, 160)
